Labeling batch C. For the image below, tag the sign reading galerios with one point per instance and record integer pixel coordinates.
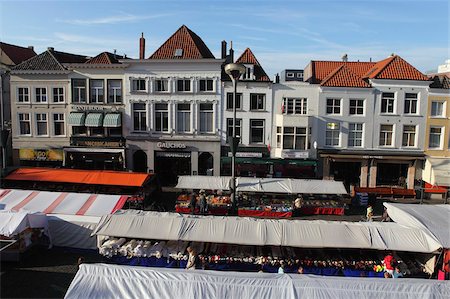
(170, 145)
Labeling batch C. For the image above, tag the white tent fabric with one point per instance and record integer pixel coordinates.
(254, 231)
(114, 281)
(13, 223)
(441, 170)
(73, 231)
(434, 219)
(267, 185)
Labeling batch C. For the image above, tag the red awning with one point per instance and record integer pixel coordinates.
(429, 188)
(76, 176)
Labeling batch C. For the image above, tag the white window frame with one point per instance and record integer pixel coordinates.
(353, 130)
(334, 106)
(230, 98)
(94, 92)
(24, 120)
(230, 128)
(386, 134)
(356, 107)
(184, 80)
(114, 90)
(263, 127)
(249, 73)
(410, 135)
(298, 106)
(257, 97)
(206, 113)
(134, 87)
(213, 89)
(441, 139)
(37, 117)
(330, 134)
(164, 114)
(182, 117)
(166, 85)
(58, 95)
(43, 97)
(411, 101)
(296, 134)
(279, 137)
(443, 104)
(390, 103)
(80, 91)
(141, 112)
(23, 96)
(55, 121)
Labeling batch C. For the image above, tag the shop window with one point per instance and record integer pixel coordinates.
(206, 85)
(58, 124)
(161, 85)
(78, 91)
(386, 132)
(257, 101)
(161, 117)
(96, 131)
(356, 107)
(97, 91)
(355, 134)
(257, 131)
(230, 101)
(206, 117)
(294, 106)
(183, 118)
(230, 128)
(332, 134)
(40, 94)
(23, 95)
(183, 85)
(294, 138)
(58, 95)
(139, 117)
(409, 136)
(41, 124)
(387, 102)
(114, 132)
(79, 131)
(410, 103)
(24, 124)
(115, 91)
(435, 139)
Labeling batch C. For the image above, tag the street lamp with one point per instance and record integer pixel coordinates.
(234, 70)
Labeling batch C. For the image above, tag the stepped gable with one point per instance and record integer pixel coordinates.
(249, 58)
(191, 45)
(395, 68)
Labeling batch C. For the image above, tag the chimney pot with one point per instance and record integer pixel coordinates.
(51, 49)
(31, 48)
(224, 49)
(142, 46)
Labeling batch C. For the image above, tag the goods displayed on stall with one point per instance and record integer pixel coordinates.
(268, 205)
(218, 203)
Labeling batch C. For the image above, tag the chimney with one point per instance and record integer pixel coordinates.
(370, 59)
(277, 78)
(115, 53)
(224, 49)
(231, 52)
(31, 48)
(51, 49)
(142, 47)
(345, 58)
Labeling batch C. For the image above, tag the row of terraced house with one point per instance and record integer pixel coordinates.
(366, 123)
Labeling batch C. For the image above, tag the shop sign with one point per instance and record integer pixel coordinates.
(372, 157)
(246, 155)
(100, 142)
(94, 108)
(170, 145)
(40, 154)
(295, 154)
(173, 154)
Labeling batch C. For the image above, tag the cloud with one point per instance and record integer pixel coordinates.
(124, 18)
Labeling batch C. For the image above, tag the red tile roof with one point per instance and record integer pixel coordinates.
(395, 68)
(249, 58)
(16, 53)
(322, 69)
(344, 77)
(191, 44)
(105, 58)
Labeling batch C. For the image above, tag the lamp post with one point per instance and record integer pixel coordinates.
(234, 71)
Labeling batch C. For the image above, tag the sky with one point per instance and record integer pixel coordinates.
(282, 34)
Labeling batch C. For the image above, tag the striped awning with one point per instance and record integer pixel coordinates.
(112, 120)
(94, 120)
(77, 118)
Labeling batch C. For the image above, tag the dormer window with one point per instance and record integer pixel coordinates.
(178, 53)
(249, 74)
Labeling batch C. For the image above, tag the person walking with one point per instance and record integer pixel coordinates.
(193, 202)
(192, 259)
(203, 203)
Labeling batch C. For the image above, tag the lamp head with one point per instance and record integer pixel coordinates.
(234, 70)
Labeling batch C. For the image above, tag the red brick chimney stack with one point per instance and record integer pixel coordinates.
(142, 47)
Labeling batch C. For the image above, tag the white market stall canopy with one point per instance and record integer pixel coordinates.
(254, 231)
(115, 281)
(13, 223)
(434, 219)
(266, 185)
(60, 202)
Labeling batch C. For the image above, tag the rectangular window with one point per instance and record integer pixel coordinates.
(139, 117)
(333, 106)
(184, 85)
(356, 107)
(294, 138)
(41, 95)
(97, 91)
(23, 95)
(409, 136)
(332, 134)
(41, 124)
(435, 140)
(230, 101)
(161, 117)
(230, 128)
(78, 91)
(24, 124)
(114, 132)
(387, 102)
(257, 131)
(355, 134)
(257, 101)
(114, 91)
(184, 118)
(279, 136)
(386, 132)
(58, 124)
(206, 118)
(206, 85)
(437, 109)
(58, 95)
(294, 106)
(79, 131)
(410, 103)
(96, 131)
(138, 85)
(161, 85)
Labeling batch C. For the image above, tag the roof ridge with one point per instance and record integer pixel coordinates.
(349, 74)
(331, 74)
(26, 48)
(53, 56)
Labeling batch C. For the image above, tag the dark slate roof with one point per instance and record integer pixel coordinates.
(16, 53)
(105, 58)
(440, 81)
(191, 45)
(50, 60)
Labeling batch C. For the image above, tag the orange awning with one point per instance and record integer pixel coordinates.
(76, 176)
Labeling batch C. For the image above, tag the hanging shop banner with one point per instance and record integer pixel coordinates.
(40, 154)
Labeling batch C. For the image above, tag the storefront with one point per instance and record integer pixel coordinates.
(41, 157)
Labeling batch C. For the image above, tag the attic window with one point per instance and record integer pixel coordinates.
(178, 52)
(290, 75)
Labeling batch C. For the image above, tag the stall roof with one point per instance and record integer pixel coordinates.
(254, 231)
(13, 223)
(266, 185)
(76, 176)
(434, 219)
(60, 202)
(116, 281)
